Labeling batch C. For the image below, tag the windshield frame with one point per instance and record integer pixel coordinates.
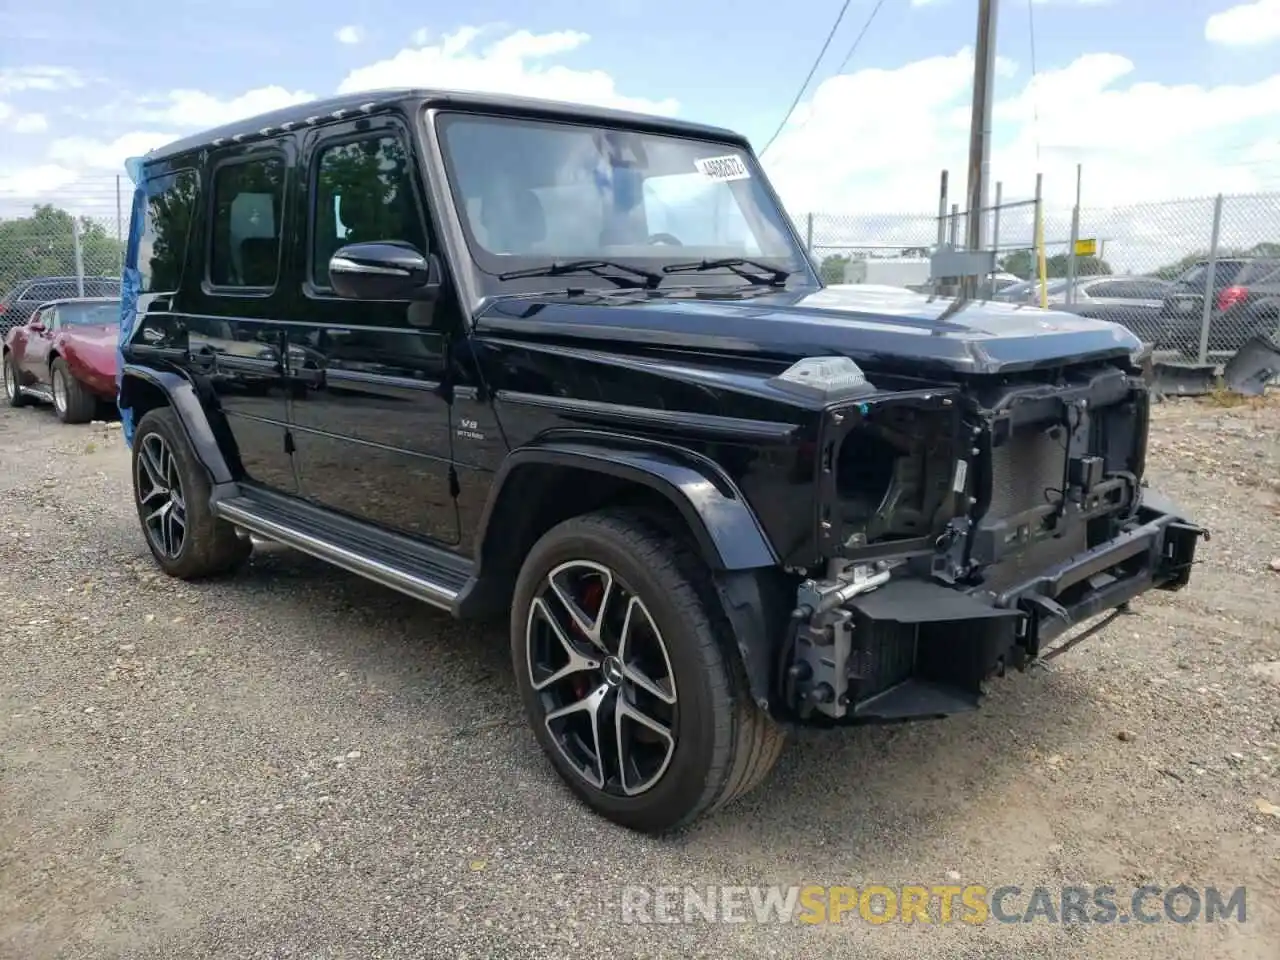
(482, 283)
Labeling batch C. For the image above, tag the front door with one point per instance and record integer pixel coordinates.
(33, 357)
(369, 417)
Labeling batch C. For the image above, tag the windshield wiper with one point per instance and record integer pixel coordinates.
(595, 267)
(775, 278)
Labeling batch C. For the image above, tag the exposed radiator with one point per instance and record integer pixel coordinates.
(1027, 470)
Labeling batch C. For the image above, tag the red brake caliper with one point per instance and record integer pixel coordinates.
(589, 603)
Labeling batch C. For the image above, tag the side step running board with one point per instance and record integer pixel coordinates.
(386, 559)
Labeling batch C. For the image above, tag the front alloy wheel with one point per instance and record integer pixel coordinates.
(629, 676)
(162, 505)
(603, 675)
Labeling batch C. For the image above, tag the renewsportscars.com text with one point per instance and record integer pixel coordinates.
(931, 904)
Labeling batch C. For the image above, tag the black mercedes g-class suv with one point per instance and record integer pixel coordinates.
(573, 367)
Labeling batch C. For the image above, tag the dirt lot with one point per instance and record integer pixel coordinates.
(293, 763)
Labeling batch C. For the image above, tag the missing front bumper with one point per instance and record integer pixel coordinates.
(914, 648)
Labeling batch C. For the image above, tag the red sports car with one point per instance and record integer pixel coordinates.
(65, 354)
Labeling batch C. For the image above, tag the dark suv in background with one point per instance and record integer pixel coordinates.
(1246, 303)
(572, 369)
(22, 300)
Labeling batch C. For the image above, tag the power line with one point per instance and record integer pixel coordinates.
(843, 63)
(861, 33)
(809, 76)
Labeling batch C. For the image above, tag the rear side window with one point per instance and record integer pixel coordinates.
(163, 247)
(1225, 272)
(1260, 271)
(171, 205)
(248, 207)
(102, 288)
(51, 290)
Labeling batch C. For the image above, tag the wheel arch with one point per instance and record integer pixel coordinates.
(541, 485)
(144, 388)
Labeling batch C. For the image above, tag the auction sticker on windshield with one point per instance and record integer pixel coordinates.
(722, 168)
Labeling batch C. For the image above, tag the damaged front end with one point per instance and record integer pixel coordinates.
(966, 528)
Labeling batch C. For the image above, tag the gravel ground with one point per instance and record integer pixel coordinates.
(294, 763)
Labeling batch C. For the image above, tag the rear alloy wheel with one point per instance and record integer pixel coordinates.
(12, 394)
(71, 401)
(171, 493)
(624, 669)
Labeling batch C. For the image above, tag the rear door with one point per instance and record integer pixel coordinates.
(236, 315)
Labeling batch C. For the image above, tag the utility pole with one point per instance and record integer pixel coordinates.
(984, 64)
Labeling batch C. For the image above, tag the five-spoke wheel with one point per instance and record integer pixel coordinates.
(602, 673)
(159, 490)
(628, 676)
(172, 494)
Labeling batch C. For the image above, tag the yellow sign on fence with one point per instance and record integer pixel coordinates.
(1087, 248)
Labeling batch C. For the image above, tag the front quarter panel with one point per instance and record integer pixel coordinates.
(761, 447)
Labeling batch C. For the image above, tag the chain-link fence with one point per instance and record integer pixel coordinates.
(1197, 278)
(77, 236)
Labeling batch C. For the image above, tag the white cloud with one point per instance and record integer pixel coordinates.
(869, 147)
(83, 153)
(18, 79)
(420, 37)
(349, 34)
(199, 110)
(30, 123)
(515, 63)
(15, 121)
(1248, 24)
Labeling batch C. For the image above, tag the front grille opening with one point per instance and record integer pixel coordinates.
(894, 476)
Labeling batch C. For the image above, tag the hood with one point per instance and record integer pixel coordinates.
(885, 326)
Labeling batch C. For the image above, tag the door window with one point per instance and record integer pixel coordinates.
(363, 192)
(248, 207)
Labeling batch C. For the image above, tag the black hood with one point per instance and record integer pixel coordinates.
(871, 324)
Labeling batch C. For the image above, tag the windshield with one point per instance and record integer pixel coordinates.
(89, 314)
(531, 193)
(1223, 271)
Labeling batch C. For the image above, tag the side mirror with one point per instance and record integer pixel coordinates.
(384, 270)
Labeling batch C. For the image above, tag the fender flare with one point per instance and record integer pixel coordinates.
(722, 523)
(725, 529)
(182, 397)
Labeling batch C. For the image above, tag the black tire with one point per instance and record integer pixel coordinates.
(208, 546)
(13, 396)
(724, 744)
(75, 404)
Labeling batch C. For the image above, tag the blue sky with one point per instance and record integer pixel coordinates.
(1137, 90)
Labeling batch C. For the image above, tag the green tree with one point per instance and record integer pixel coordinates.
(1022, 263)
(42, 245)
(832, 268)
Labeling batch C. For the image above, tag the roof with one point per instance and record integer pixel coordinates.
(70, 279)
(331, 108)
